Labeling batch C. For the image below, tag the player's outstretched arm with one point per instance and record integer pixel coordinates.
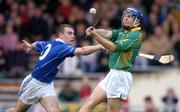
(103, 41)
(86, 50)
(28, 47)
(104, 33)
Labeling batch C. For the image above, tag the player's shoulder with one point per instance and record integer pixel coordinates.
(62, 45)
(48, 41)
(136, 33)
(118, 30)
(56, 42)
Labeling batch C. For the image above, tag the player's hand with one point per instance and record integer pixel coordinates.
(90, 32)
(27, 46)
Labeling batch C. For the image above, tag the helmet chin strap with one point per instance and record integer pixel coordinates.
(135, 23)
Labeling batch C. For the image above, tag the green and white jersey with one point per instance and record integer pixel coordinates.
(128, 44)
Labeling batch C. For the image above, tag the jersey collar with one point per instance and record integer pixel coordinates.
(60, 40)
(133, 29)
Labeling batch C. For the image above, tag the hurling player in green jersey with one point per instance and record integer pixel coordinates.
(124, 45)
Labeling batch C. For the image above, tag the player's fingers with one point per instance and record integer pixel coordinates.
(88, 31)
(91, 28)
(24, 41)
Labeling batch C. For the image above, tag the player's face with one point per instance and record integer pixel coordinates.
(128, 20)
(68, 35)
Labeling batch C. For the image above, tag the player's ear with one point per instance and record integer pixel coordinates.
(60, 34)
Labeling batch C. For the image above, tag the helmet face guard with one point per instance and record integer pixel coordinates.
(136, 14)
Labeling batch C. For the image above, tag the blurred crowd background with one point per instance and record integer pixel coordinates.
(35, 20)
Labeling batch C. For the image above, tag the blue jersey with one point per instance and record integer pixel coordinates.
(52, 55)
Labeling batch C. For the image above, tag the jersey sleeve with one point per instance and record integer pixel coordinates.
(71, 51)
(66, 51)
(40, 45)
(129, 43)
(114, 34)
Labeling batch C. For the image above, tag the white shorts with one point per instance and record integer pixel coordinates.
(117, 84)
(32, 90)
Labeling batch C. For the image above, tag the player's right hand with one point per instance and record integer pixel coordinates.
(89, 31)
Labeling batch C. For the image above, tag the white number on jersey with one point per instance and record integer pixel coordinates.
(45, 53)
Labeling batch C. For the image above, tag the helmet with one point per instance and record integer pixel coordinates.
(136, 14)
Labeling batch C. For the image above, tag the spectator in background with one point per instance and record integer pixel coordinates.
(81, 36)
(27, 10)
(157, 40)
(154, 19)
(88, 63)
(111, 14)
(2, 63)
(105, 23)
(17, 62)
(149, 105)
(84, 4)
(85, 89)
(102, 65)
(37, 24)
(170, 25)
(171, 28)
(80, 17)
(65, 8)
(147, 5)
(58, 19)
(19, 28)
(170, 100)
(12, 12)
(73, 16)
(70, 66)
(141, 64)
(9, 40)
(164, 6)
(68, 94)
(2, 24)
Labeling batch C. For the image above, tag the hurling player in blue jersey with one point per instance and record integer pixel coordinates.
(39, 86)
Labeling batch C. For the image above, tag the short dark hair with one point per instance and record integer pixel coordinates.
(62, 27)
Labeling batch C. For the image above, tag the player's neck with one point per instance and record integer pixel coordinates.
(133, 29)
